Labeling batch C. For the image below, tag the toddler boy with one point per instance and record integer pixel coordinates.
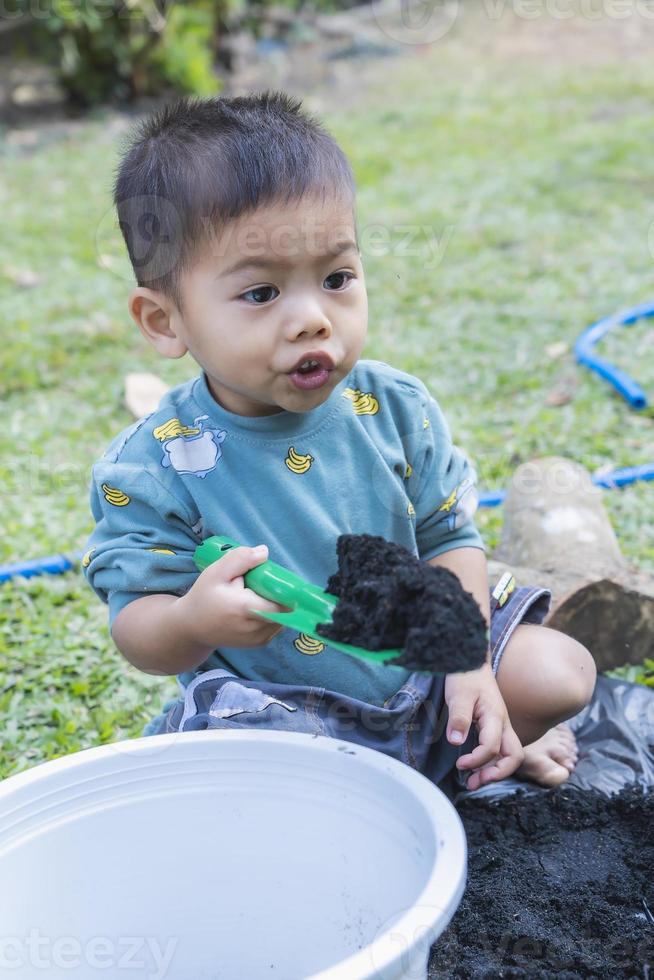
(239, 219)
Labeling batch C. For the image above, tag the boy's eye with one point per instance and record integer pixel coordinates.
(342, 275)
(260, 294)
(263, 294)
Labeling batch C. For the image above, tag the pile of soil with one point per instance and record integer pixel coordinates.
(560, 886)
(390, 599)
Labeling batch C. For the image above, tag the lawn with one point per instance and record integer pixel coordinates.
(521, 190)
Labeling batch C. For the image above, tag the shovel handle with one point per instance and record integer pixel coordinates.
(309, 603)
(270, 580)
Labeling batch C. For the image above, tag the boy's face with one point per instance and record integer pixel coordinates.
(273, 288)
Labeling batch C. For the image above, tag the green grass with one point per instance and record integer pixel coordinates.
(543, 198)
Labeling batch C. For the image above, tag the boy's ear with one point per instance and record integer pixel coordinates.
(154, 315)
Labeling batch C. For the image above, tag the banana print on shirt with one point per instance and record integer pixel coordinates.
(461, 503)
(308, 645)
(363, 402)
(298, 462)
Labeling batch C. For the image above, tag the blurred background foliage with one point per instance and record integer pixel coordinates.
(117, 50)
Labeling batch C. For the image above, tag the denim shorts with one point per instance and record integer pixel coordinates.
(410, 726)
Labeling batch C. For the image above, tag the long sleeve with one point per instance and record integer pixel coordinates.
(142, 542)
(443, 488)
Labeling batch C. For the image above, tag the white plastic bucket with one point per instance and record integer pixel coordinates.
(238, 855)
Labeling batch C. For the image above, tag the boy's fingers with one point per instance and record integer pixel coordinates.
(459, 719)
(235, 563)
(499, 769)
(512, 749)
(253, 600)
(510, 758)
(488, 774)
(490, 740)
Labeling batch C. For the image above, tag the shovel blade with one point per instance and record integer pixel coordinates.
(305, 623)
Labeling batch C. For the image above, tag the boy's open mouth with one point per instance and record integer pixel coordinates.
(310, 378)
(311, 370)
(310, 359)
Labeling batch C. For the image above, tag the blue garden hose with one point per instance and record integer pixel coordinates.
(584, 352)
(625, 385)
(608, 481)
(53, 564)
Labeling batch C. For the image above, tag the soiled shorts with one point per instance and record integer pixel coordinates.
(410, 726)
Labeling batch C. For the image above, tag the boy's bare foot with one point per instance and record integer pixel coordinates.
(551, 758)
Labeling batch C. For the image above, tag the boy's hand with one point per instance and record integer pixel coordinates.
(215, 610)
(474, 696)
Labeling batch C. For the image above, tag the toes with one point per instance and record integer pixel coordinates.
(564, 756)
(553, 775)
(546, 774)
(565, 734)
(558, 751)
(567, 741)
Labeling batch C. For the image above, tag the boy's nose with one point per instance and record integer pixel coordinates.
(310, 321)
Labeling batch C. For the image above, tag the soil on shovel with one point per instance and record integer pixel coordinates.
(390, 599)
(560, 885)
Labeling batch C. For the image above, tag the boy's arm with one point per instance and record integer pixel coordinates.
(445, 501)
(140, 559)
(469, 565)
(474, 696)
(167, 634)
(152, 634)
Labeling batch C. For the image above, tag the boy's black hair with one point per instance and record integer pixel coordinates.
(198, 163)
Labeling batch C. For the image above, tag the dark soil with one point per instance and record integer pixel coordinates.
(390, 599)
(560, 885)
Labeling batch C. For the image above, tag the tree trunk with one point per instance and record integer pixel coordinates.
(557, 534)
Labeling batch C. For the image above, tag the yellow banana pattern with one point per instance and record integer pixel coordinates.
(115, 496)
(408, 472)
(163, 551)
(173, 428)
(448, 504)
(411, 510)
(307, 645)
(298, 462)
(86, 560)
(461, 503)
(425, 423)
(363, 402)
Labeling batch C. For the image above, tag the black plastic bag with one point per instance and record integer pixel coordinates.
(615, 736)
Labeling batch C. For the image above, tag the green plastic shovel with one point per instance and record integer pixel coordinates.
(310, 604)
